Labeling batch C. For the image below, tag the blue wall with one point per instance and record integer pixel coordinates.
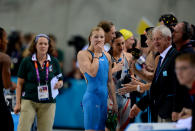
(69, 112)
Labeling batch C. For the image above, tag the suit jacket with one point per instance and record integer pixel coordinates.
(161, 97)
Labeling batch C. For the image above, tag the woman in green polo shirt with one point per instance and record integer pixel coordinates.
(34, 90)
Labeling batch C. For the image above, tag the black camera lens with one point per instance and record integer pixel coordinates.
(136, 53)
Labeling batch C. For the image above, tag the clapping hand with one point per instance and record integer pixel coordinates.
(130, 87)
(127, 88)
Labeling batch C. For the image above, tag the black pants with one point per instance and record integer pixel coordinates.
(6, 119)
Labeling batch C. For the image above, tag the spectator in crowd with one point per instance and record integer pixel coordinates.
(14, 50)
(121, 74)
(193, 37)
(5, 82)
(57, 53)
(78, 42)
(162, 91)
(130, 47)
(147, 72)
(109, 30)
(28, 38)
(129, 39)
(34, 86)
(144, 68)
(168, 20)
(181, 38)
(95, 64)
(149, 54)
(185, 70)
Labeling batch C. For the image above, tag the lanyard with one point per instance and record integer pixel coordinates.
(37, 72)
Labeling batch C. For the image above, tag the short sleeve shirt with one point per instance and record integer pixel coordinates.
(27, 72)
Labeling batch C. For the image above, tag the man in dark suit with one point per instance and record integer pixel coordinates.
(161, 98)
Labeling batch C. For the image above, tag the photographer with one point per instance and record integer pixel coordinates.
(121, 74)
(144, 66)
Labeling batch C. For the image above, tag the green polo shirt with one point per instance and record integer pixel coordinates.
(27, 72)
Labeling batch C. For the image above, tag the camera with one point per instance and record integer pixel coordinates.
(140, 63)
(141, 60)
(136, 53)
(143, 41)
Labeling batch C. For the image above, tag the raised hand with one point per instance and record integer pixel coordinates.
(98, 48)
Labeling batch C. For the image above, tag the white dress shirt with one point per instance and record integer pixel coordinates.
(164, 53)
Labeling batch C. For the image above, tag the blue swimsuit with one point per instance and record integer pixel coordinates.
(95, 97)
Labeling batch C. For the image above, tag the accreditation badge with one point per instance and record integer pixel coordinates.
(43, 92)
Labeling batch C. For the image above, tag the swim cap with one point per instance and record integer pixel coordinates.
(126, 33)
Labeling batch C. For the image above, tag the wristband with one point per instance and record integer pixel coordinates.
(138, 88)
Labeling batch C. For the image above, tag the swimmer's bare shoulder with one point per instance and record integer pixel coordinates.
(84, 58)
(108, 56)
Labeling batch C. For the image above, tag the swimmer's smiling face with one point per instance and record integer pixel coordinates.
(118, 45)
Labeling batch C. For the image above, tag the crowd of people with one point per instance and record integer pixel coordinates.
(139, 67)
(118, 68)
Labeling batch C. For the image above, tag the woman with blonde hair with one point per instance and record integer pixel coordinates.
(95, 64)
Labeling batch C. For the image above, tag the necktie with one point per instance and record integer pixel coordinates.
(158, 67)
